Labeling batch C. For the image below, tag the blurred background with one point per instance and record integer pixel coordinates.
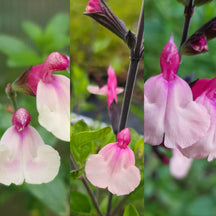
(195, 195)
(29, 32)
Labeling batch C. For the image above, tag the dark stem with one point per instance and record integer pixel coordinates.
(118, 207)
(85, 182)
(188, 12)
(109, 204)
(132, 72)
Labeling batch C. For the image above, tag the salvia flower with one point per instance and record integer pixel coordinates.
(179, 164)
(114, 166)
(169, 110)
(110, 90)
(52, 95)
(205, 91)
(23, 154)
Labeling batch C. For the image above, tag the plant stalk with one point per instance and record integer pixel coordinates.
(132, 72)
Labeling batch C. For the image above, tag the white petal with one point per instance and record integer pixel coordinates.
(53, 104)
(40, 162)
(11, 158)
(97, 90)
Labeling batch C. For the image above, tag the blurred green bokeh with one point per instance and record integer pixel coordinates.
(195, 195)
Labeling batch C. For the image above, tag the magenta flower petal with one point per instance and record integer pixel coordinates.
(93, 6)
(53, 105)
(114, 167)
(54, 62)
(179, 164)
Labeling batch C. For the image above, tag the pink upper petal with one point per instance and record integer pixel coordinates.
(179, 164)
(54, 62)
(53, 105)
(114, 168)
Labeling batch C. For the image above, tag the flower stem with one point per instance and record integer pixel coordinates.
(136, 55)
(85, 182)
(109, 204)
(118, 207)
(11, 94)
(189, 9)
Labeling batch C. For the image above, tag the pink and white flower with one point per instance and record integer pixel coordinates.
(179, 164)
(169, 110)
(52, 95)
(114, 166)
(110, 90)
(204, 92)
(23, 154)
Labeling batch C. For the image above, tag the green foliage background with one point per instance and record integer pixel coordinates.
(195, 195)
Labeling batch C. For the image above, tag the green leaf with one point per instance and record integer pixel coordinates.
(81, 143)
(24, 58)
(139, 148)
(52, 194)
(80, 126)
(56, 32)
(130, 211)
(79, 202)
(134, 138)
(101, 45)
(33, 31)
(10, 45)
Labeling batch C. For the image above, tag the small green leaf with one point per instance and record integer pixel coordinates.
(33, 31)
(130, 211)
(10, 45)
(80, 126)
(53, 194)
(139, 148)
(79, 202)
(81, 143)
(134, 138)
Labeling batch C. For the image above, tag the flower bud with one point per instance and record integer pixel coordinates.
(100, 11)
(21, 119)
(195, 46)
(169, 60)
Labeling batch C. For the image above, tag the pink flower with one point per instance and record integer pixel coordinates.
(205, 147)
(179, 164)
(169, 110)
(114, 166)
(110, 90)
(93, 6)
(52, 95)
(23, 154)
